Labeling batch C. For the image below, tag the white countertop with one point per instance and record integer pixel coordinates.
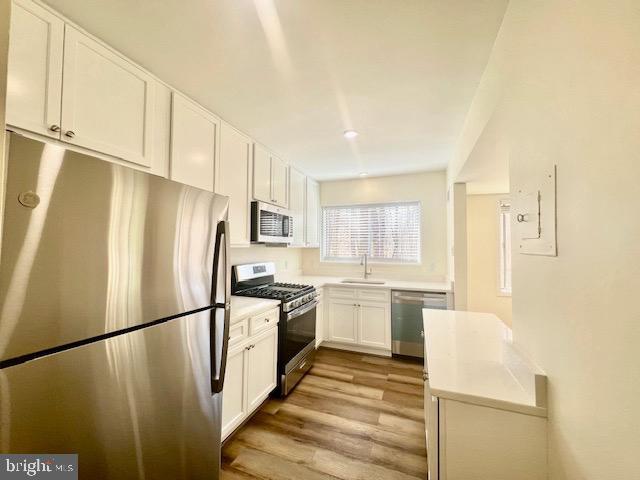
(242, 307)
(470, 358)
(320, 281)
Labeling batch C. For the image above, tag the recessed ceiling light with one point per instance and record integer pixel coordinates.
(350, 134)
(363, 174)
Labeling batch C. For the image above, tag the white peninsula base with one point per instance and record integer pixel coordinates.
(485, 406)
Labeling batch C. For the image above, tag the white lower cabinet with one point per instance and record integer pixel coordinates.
(251, 372)
(261, 367)
(234, 402)
(472, 441)
(343, 326)
(360, 317)
(373, 323)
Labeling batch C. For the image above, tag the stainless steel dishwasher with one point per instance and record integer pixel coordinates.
(406, 319)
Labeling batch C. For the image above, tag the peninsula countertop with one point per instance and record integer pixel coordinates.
(470, 357)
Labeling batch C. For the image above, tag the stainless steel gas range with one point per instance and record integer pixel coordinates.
(297, 326)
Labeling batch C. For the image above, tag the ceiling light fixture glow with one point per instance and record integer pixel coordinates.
(350, 134)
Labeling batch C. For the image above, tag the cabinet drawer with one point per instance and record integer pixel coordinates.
(262, 322)
(238, 332)
(376, 295)
(339, 292)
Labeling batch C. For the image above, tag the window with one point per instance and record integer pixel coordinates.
(504, 279)
(387, 232)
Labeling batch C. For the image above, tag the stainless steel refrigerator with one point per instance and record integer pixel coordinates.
(114, 311)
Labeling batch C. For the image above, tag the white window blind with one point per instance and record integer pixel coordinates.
(505, 247)
(387, 232)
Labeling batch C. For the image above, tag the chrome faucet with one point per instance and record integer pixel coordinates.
(365, 262)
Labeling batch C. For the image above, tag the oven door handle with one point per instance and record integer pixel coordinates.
(301, 310)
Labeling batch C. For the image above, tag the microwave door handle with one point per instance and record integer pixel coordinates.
(220, 333)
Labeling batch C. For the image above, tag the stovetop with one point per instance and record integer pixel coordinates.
(257, 280)
(277, 291)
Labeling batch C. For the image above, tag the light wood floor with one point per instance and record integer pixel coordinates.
(353, 417)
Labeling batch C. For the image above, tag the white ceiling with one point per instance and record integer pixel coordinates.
(294, 74)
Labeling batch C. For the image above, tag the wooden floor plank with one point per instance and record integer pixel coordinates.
(352, 469)
(343, 387)
(230, 473)
(378, 405)
(349, 370)
(334, 406)
(331, 373)
(317, 435)
(386, 385)
(413, 380)
(353, 417)
(271, 467)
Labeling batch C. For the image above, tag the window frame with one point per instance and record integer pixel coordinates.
(502, 251)
(371, 260)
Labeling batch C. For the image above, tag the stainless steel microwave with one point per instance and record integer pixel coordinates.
(270, 224)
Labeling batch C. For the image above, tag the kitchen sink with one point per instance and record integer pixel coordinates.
(361, 280)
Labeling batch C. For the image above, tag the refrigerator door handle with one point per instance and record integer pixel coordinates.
(219, 352)
(221, 294)
(220, 345)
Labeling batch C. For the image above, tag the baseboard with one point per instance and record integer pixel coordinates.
(356, 348)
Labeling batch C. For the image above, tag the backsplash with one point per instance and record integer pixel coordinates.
(287, 260)
(311, 265)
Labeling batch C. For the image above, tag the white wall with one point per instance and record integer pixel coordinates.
(288, 260)
(483, 260)
(429, 188)
(5, 15)
(566, 75)
(458, 252)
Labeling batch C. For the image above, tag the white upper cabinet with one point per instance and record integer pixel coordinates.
(107, 101)
(261, 173)
(279, 182)
(297, 188)
(312, 218)
(270, 177)
(194, 133)
(233, 174)
(34, 77)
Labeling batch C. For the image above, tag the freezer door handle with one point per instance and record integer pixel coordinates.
(221, 297)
